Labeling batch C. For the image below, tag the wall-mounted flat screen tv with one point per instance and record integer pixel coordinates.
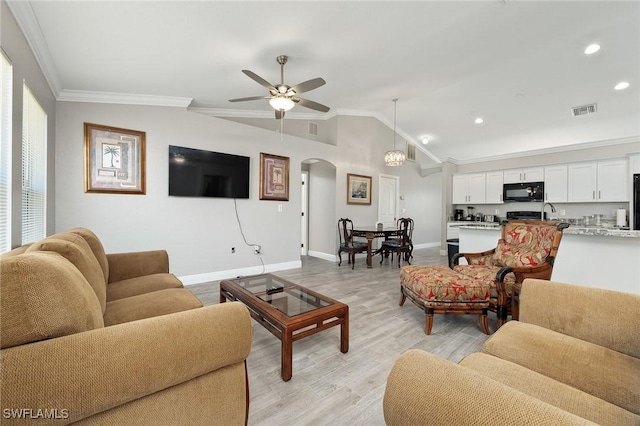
(199, 173)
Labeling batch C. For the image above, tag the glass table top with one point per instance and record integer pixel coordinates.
(288, 298)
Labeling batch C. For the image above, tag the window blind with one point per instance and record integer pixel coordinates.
(34, 168)
(6, 86)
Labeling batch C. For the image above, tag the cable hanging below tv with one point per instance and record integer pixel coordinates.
(200, 173)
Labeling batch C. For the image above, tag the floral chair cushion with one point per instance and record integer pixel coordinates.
(518, 256)
(486, 274)
(439, 285)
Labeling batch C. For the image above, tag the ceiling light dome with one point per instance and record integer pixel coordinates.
(281, 103)
(591, 49)
(622, 85)
(479, 120)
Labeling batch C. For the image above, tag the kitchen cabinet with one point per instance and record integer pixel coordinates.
(555, 183)
(468, 188)
(532, 174)
(601, 181)
(494, 184)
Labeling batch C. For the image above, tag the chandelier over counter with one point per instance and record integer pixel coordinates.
(395, 157)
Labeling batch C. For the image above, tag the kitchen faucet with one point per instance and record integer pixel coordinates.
(553, 210)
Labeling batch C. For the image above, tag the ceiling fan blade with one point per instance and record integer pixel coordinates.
(255, 77)
(308, 85)
(279, 114)
(251, 98)
(311, 104)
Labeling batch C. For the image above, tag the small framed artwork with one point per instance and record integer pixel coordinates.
(114, 160)
(358, 189)
(274, 177)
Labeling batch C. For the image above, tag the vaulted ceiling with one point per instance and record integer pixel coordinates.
(519, 65)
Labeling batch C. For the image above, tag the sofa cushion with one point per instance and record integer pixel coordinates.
(141, 285)
(150, 305)
(97, 248)
(44, 296)
(551, 391)
(597, 370)
(77, 251)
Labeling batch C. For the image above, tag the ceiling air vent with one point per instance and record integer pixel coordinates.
(411, 152)
(313, 129)
(584, 109)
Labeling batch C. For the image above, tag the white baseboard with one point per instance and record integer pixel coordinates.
(324, 256)
(444, 253)
(426, 245)
(232, 273)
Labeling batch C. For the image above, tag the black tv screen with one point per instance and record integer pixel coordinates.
(199, 173)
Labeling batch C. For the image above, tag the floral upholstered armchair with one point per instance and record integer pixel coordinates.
(526, 249)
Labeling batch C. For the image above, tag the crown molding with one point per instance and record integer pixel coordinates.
(122, 98)
(30, 27)
(553, 150)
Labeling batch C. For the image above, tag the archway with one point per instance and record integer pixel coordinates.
(319, 194)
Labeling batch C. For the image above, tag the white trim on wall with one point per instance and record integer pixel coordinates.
(233, 273)
(323, 256)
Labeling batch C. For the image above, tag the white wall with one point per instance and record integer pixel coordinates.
(322, 211)
(198, 233)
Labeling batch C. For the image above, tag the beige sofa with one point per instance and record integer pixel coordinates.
(573, 358)
(114, 339)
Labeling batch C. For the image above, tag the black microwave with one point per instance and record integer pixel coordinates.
(531, 191)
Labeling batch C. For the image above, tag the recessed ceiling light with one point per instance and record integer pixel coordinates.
(591, 49)
(425, 140)
(622, 85)
(479, 120)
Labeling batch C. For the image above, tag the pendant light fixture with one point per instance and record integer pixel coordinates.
(395, 157)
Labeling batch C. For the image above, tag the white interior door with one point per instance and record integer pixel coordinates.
(388, 189)
(304, 221)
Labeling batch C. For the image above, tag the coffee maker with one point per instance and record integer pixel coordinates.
(458, 215)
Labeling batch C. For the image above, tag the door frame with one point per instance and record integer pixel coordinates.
(304, 215)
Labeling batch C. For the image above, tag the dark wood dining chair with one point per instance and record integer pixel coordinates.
(347, 243)
(402, 244)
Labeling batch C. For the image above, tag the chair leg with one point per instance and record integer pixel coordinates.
(428, 325)
(340, 257)
(353, 260)
(403, 297)
(484, 323)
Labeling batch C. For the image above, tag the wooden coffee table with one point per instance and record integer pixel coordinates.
(289, 311)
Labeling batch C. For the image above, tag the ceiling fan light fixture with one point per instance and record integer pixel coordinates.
(281, 103)
(396, 157)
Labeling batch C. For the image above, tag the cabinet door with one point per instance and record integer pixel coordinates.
(534, 174)
(477, 188)
(612, 180)
(459, 189)
(513, 176)
(494, 187)
(582, 182)
(555, 183)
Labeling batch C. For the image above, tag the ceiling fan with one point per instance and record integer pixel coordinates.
(282, 97)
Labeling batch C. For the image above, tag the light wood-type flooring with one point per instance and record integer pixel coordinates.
(332, 388)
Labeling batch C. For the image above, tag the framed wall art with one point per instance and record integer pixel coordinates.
(114, 160)
(274, 177)
(358, 189)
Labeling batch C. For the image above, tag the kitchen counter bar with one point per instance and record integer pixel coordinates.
(571, 230)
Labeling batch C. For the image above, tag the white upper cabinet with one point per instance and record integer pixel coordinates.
(612, 180)
(532, 174)
(468, 188)
(494, 184)
(555, 183)
(603, 181)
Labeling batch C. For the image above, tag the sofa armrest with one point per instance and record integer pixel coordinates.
(425, 389)
(123, 266)
(604, 317)
(91, 372)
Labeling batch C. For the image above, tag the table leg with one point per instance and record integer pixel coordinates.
(344, 333)
(286, 369)
(369, 250)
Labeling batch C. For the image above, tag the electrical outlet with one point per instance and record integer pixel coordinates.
(563, 212)
(257, 249)
(497, 211)
(233, 249)
(279, 207)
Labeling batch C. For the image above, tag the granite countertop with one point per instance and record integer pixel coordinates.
(571, 230)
